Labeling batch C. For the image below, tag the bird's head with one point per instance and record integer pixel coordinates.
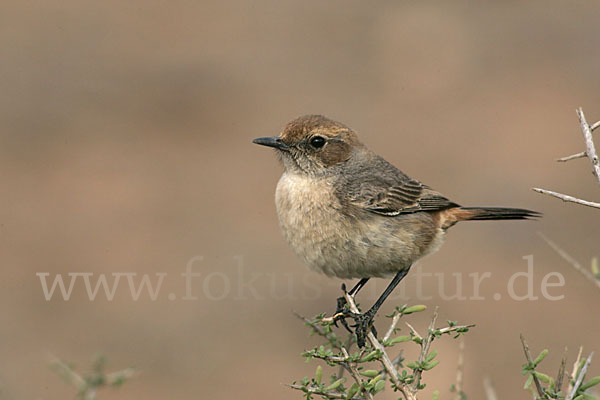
(313, 144)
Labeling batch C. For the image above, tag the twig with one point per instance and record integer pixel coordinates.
(432, 332)
(561, 372)
(307, 321)
(69, 374)
(571, 260)
(425, 344)
(118, 376)
(459, 369)
(393, 325)
(335, 342)
(385, 359)
(580, 377)
(395, 362)
(346, 347)
(87, 385)
(590, 153)
(538, 385)
(583, 154)
(356, 376)
(490, 392)
(575, 368)
(590, 150)
(566, 197)
(450, 329)
(316, 390)
(414, 332)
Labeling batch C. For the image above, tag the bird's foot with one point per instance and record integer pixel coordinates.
(342, 312)
(362, 324)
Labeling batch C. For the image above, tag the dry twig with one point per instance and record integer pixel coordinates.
(588, 275)
(575, 368)
(538, 385)
(490, 392)
(580, 377)
(583, 154)
(561, 372)
(317, 390)
(392, 328)
(567, 198)
(590, 153)
(590, 150)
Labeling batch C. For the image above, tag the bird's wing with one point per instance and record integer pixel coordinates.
(388, 191)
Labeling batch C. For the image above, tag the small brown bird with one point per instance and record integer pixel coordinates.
(347, 212)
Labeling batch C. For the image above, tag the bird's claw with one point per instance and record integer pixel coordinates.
(341, 313)
(362, 324)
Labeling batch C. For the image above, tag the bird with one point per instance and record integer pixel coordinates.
(348, 213)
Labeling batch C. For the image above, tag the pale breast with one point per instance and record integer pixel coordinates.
(309, 220)
(339, 244)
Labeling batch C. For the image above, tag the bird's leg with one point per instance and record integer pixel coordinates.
(364, 322)
(341, 311)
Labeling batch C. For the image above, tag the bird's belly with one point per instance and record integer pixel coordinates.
(339, 244)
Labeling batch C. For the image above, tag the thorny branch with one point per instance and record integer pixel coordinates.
(590, 153)
(407, 385)
(385, 359)
(538, 385)
(425, 345)
(580, 378)
(575, 368)
(590, 150)
(316, 390)
(567, 198)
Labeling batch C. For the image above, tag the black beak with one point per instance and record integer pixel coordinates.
(271, 142)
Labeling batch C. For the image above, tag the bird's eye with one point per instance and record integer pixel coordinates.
(317, 142)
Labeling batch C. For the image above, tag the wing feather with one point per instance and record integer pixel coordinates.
(390, 192)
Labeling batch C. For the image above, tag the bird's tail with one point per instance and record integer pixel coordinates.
(493, 213)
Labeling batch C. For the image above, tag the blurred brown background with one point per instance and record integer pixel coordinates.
(126, 147)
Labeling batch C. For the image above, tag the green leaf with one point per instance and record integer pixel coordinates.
(319, 375)
(431, 356)
(412, 365)
(590, 383)
(528, 382)
(370, 357)
(431, 365)
(335, 384)
(436, 395)
(542, 377)
(375, 380)
(539, 358)
(352, 391)
(414, 309)
(400, 339)
(370, 373)
(379, 386)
